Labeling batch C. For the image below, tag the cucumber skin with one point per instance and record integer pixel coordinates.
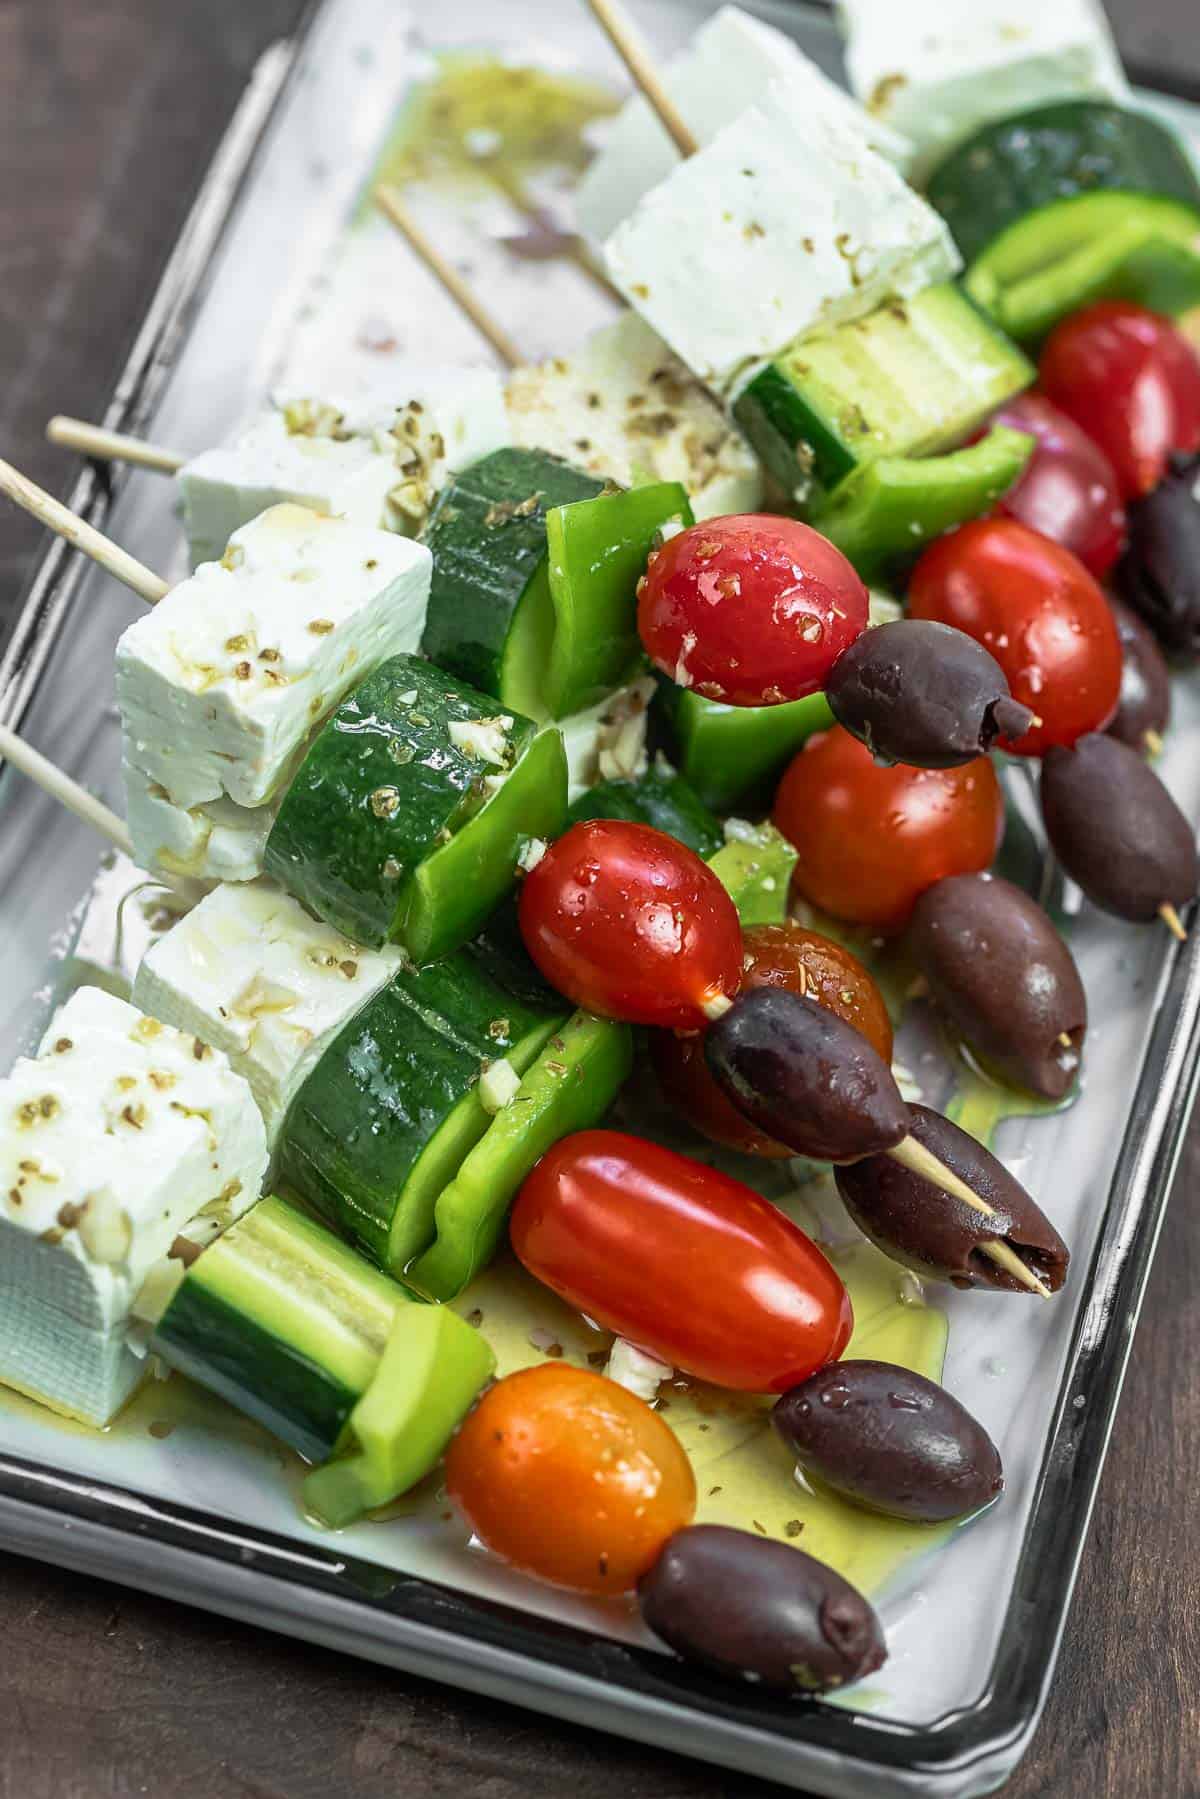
(792, 442)
(1020, 164)
(266, 1379)
(332, 845)
(666, 801)
(481, 571)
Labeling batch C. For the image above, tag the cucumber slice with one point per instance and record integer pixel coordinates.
(1030, 160)
(569, 1088)
(487, 533)
(387, 831)
(726, 752)
(886, 512)
(575, 636)
(1106, 246)
(391, 1111)
(755, 868)
(284, 1322)
(292, 1328)
(911, 379)
(660, 798)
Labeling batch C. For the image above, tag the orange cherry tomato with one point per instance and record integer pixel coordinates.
(681, 1260)
(1038, 611)
(774, 955)
(870, 840)
(571, 1477)
(632, 924)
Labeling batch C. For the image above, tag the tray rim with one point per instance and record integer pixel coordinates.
(345, 1602)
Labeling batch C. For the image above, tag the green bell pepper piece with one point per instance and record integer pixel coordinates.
(887, 511)
(726, 752)
(427, 1379)
(755, 868)
(575, 636)
(569, 1088)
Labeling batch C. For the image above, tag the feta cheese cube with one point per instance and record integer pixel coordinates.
(623, 405)
(786, 224)
(726, 67)
(121, 915)
(221, 683)
(249, 971)
(215, 841)
(376, 458)
(116, 1136)
(937, 70)
(607, 741)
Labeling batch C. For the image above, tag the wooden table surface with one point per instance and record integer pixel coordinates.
(108, 112)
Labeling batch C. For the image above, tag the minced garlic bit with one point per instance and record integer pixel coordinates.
(531, 854)
(499, 1085)
(105, 1229)
(636, 1371)
(484, 738)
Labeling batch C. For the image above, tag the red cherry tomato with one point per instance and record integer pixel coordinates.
(1039, 612)
(870, 840)
(774, 955)
(752, 609)
(1132, 381)
(632, 924)
(1068, 491)
(681, 1260)
(561, 1446)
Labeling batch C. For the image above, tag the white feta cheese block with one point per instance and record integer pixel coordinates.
(725, 68)
(215, 841)
(121, 915)
(785, 225)
(220, 684)
(374, 458)
(117, 1135)
(937, 70)
(624, 407)
(249, 971)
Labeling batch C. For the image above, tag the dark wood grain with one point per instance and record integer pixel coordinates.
(108, 111)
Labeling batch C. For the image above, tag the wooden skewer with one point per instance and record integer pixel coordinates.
(62, 788)
(1173, 922)
(922, 1162)
(391, 204)
(1153, 742)
(1064, 1037)
(127, 569)
(111, 446)
(629, 45)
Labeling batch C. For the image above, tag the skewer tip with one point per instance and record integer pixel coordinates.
(1153, 742)
(1173, 922)
(715, 1006)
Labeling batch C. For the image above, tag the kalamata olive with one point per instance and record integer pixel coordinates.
(1116, 830)
(1004, 977)
(1159, 574)
(923, 693)
(1144, 710)
(890, 1440)
(805, 1077)
(745, 1605)
(936, 1234)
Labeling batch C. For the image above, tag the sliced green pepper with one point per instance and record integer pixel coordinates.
(575, 637)
(408, 814)
(569, 1088)
(726, 752)
(887, 511)
(755, 868)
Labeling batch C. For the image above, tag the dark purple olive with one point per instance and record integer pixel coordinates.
(936, 1234)
(1116, 830)
(748, 1606)
(891, 1441)
(806, 1078)
(1159, 574)
(1144, 709)
(1004, 978)
(923, 693)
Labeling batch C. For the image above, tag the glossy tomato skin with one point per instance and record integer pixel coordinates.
(752, 610)
(1131, 380)
(570, 1477)
(870, 840)
(1039, 612)
(1068, 490)
(631, 924)
(681, 1260)
(774, 955)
